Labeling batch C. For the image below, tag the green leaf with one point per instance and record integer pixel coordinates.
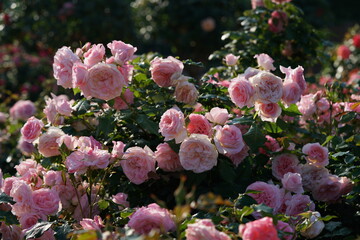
(291, 111)
(348, 117)
(38, 230)
(106, 124)
(147, 124)
(192, 63)
(349, 158)
(254, 138)
(227, 171)
(272, 127)
(340, 154)
(245, 200)
(62, 231)
(243, 120)
(76, 91)
(126, 213)
(4, 198)
(263, 208)
(82, 106)
(8, 217)
(140, 77)
(103, 204)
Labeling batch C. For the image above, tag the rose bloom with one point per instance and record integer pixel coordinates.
(268, 87)
(121, 199)
(241, 92)
(328, 189)
(94, 55)
(250, 72)
(30, 219)
(265, 61)
(239, 157)
(284, 163)
(299, 204)
(218, 115)
(199, 124)
(323, 104)
(21, 192)
(138, 163)
(3, 117)
(7, 184)
(268, 111)
(123, 102)
(197, 153)
(80, 161)
(118, 149)
(56, 108)
(356, 40)
(228, 139)
(165, 71)
(167, 159)
(315, 228)
(291, 93)
(52, 178)
(312, 175)
(269, 195)
(63, 62)
(46, 201)
(295, 75)
(286, 231)
(48, 146)
(32, 129)
(152, 217)
(261, 229)
(271, 144)
(343, 52)
(12, 232)
(204, 229)
(307, 105)
(25, 166)
(292, 182)
(231, 59)
(186, 92)
(172, 125)
(121, 51)
(79, 73)
(316, 154)
(22, 110)
(278, 21)
(70, 142)
(92, 224)
(257, 3)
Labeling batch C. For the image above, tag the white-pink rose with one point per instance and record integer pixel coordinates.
(63, 62)
(265, 61)
(315, 228)
(118, 149)
(21, 192)
(167, 159)
(32, 129)
(292, 182)
(228, 139)
(121, 51)
(231, 59)
(268, 111)
(218, 115)
(204, 229)
(172, 125)
(241, 92)
(295, 75)
(268, 87)
(307, 105)
(48, 145)
(186, 92)
(316, 154)
(94, 55)
(165, 71)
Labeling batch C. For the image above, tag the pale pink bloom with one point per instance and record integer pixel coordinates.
(70, 142)
(79, 73)
(121, 199)
(250, 72)
(138, 163)
(315, 228)
(92, 224)
(343, 52)
(199, 124)
(265, 61)
(237, 158)
(299, 204)
(307, 105)
(272, 144)
(63, 62)
(127, 71)
(25, 166)
(316, 154)
(118, 149)
(257, 3)
(103, 81)
(172, 125)
(231, 59)
(269, 195)
(284, 163)
(121, 51)
(204, 229)
(268, 87)
(218, 115)
(291, 93)
(166, 71)
(198, 107)
(261, 229)
(312, 175)
(94, 55)
(197, 153)
(295, 75)
(152, 217)
(186, 92)
(12, 232)
(28, 220)
(228, 139)
(167, 159)
(346, 185)
(3, 117)
(241, 92)
(328, 189)
(88, 142)
(268, 111)
(32, 129)
(22, 109)
(80, 161)
(123, 102)
(286, 229)
(46, 201)
(278, 21)
(21, 192)
(56, 108)
(21, 208)
(292, 182)
(7, 184)
(52, 178)
(48, 146)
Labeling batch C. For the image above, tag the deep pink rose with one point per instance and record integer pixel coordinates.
(343, 52)
(92, 224)
(137, 163)
(268, 87)
(228, 139)
(46, 201)
(166, 71)
(204, 229)
(278, 21)
(265, 61)
(152, 217)
(63, 62)
(186, 92)
(284, 163)
(124, 101)
(316, 154)
(172, 125)
(231, 59)
(22, 110)
(218, 115)
(48, 146)
(356, 40)
(167, 159)
(269, 195)
(32, 129)
(197, 153)
(292, 182)
(261, 229)
(199, 124)
(268, 111)
(94, 55)
(299, 204)
(241, 92)
(295, 75)
(121, 199)
(121, 51)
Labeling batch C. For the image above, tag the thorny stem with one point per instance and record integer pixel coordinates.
(77, 194)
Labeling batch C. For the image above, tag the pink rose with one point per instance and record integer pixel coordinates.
(70, 142)
(166, 71)
(63, 62)
(328, 189)
(257, 3)
(346, 185)
(167, 159)
(79, 73)
(237, 158)
(316, 154)
(356, 40)
(138, 163)
(269, 194)
(80, 161)
(7, 184)
(22, 110)
(272, 144)
(292, 182)
(25, 166)
(323, 104)
(28, 220)
(268, 111)
(268, 87)
(118, 149)
(299, 204)
(103, 81)
(92, 224)
(315, 228)
(312, 175)
(228, 139)
(21, 192)
(265, 61)
(284, 163)
(152, 217)
(261, 229)
(121, 51)
(231, 59)
(204, 229)
(199, 124)
(186, 92)
(94, 55)
(307, 105)
(241, 92)
(295, 75)
(52, 178)
(291, 93)
(343, 52)
(250, 72)
(121, 199)
(218, 115)
(56, 108)
(278, 21)
(12, 232)
(48, 146)
(46, 201)
(25, 148)
(172, 125)
(197, 154)
(32, 129)
(287, 231)
(123, 102)
(198, 107)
